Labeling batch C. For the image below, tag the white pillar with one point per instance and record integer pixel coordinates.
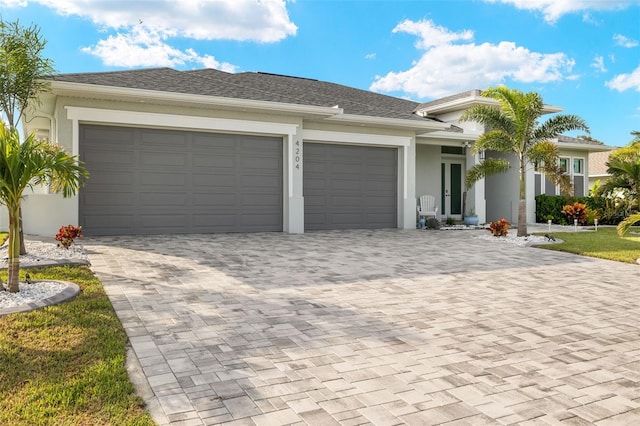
(293, 199)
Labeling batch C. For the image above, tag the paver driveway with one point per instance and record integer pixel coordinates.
(375, 327)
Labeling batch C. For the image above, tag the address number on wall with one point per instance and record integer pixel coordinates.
(298, 154)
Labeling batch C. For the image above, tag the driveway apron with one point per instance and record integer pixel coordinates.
(380, 327)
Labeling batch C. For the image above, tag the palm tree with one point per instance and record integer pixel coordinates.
(624, 167)
(23, 165)
(514, 129)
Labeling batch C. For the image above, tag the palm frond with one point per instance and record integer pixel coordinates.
(494, 140)
(484, 168)
(624, 226)
(559, 124)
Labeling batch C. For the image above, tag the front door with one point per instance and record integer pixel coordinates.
(451, 181)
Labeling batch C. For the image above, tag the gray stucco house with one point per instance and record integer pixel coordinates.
(208, 151)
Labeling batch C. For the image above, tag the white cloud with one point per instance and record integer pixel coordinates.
(263, 21)
(598, 64)
(370, 56)
(13, 3)
(625, 41)
(554, 9)
(623, 82)
(143, 29)
(143, 47)
(447, 68)
(430, 34)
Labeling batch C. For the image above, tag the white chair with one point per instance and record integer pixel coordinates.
(427, 207)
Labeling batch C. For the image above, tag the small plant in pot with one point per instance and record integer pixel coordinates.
(471, 219)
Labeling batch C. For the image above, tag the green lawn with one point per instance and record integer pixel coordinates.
(603, 243)
(65, 364)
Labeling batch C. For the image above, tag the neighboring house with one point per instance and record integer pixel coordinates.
(207, 151)
(598, 167)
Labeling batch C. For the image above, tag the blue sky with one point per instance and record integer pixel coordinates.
(582, 55)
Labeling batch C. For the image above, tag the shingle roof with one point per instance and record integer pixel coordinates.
(463, 95)
(569, 139)
(255, 86)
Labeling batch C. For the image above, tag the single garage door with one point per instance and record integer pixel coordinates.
(350, 187)
(151, 181)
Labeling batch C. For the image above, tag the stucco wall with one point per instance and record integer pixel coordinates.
(428, 158)
(63, 212)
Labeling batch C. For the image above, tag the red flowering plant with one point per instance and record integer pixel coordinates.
(499, 228)
(67, 234)
(576, 211)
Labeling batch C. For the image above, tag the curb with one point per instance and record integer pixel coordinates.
(68, 293)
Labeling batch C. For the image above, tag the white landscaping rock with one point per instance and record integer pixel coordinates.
(39, 253)
(30, 293)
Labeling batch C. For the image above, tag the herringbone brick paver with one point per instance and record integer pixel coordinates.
(375, 327)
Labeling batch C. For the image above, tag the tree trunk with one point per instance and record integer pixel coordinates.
(522, 204)
(23, 249)
(14, 251)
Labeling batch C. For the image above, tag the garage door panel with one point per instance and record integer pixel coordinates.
(153, 140)
(223, 179)
(347, 187)
(213, 141)
(214, 200)
(104, 221)
(106, 199)
(165, 159)
(109, 158)
(260, 163)
(346, 169)
(259, 181)
(103, 177)
(111, 136)
(163, 199)
(208, 161)
(162, 182)
(162, 179)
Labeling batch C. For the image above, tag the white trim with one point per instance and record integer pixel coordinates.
(566, 146)
(354, 138)
(405, 173)
(469, 101)
(177, 121)
(290, 148)
(424, 126)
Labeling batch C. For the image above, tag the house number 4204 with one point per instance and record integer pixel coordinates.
(298, 154)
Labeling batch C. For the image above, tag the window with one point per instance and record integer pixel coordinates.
(578, 166)
(573, 166)
(564, 165)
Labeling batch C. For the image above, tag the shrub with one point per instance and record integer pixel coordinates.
(576, 211)
(67, 234)
(608, 210)
(432, 223)
(450, 221)
(500, 228)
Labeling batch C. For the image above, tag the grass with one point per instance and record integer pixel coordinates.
(604, 244)
(65, 364)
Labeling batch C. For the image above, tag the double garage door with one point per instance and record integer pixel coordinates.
(153, 181)
(150, 181)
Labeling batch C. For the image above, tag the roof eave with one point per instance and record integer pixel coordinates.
(584, 147)
(468, 102)
(453, 136)
(64, 88)
(365, 120)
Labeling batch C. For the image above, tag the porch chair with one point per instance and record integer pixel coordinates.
(427, 207)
